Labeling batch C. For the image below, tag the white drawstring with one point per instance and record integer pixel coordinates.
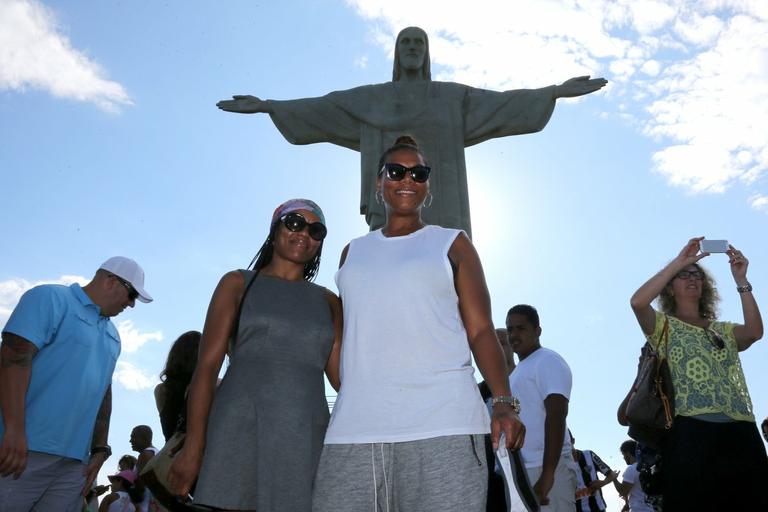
(375, 493)
(384, 469)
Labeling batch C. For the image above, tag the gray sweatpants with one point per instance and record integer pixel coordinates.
(50, 483)
(442, 474)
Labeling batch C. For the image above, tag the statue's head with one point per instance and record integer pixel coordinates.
(411, 53)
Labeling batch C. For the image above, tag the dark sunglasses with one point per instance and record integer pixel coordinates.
(715, 339)
(396, 172)
(132, 293)
(696, 274)
(296, 222)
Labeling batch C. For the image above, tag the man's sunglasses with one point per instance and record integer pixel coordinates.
(132, 293)
(296, 222)
(396, 172)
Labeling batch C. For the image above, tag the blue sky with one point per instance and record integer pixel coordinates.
(112, 144)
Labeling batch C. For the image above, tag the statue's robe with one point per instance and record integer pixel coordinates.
(443, 118)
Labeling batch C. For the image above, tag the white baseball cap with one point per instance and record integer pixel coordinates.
(129, 270)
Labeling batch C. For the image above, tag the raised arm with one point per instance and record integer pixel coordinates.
(602, 467)
(579, 86)
(332, 366)
(752, 329)
(245, 104)
(645, 295)
(16, 355)
(213, 347)
(475, 309)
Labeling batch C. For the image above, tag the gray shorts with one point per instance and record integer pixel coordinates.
(562, 495)
(442, 474)
(50, 483)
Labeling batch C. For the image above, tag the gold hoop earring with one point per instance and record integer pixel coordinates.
(428, 201)
(378, 198)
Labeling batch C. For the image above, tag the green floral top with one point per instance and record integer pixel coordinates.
(706, 379)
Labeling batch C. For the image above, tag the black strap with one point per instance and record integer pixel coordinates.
(236, 326)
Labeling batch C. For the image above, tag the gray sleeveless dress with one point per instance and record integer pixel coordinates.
(269, 414)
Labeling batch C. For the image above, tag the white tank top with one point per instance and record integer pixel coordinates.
(122, 504)
(406, 371)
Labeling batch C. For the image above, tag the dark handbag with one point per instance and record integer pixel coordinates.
(154, 474)
(650, 408)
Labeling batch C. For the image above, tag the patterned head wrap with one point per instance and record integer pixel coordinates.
(293, 205)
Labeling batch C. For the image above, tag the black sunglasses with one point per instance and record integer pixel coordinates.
(296, 222)
(132, 293)
(685, 274)
(396, 172)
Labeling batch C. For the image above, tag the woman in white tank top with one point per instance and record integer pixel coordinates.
(415, 305)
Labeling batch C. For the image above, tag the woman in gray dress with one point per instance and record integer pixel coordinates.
(256, 443)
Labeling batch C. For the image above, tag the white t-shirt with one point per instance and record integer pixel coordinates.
(636, 497)
(406, 365)
(147, 494)
(539, 375)
(122, 503)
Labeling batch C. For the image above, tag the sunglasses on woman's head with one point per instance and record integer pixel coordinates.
(396, 172)
(296, 222)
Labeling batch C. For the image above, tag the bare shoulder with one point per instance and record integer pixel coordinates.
(333, 301)
(462, 249)
(232, 278)
(332, 297)
(231, 284)
(343, 257)
(161, 393)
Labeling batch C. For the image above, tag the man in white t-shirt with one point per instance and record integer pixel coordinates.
(629, 488)
(542, 383)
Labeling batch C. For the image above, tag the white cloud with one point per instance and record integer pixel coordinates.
(132, 378)
(714, 109)
(12, 290)
(692, 73)
(34, 53)
(651, 67)
(361, 62)
(650, 15)
(759, 202)
(699, 29)
(132, 339)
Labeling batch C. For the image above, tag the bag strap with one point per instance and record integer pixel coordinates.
(664, 338)
(236, 326)
(658, 380)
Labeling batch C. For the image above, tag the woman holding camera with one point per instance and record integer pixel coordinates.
(713, 458)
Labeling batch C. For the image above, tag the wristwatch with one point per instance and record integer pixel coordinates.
(509, 400)
(102, 449)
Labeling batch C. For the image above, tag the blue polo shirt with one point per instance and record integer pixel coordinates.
(78, 349)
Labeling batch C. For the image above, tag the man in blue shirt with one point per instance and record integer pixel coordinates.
(58, 353)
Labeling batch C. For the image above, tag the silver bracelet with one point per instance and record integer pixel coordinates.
(509, 400)
(744, 289)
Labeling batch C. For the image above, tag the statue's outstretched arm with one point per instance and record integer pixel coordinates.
(579, 86)
(245, 104)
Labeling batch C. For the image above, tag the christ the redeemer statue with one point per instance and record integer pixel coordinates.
(443, 117)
